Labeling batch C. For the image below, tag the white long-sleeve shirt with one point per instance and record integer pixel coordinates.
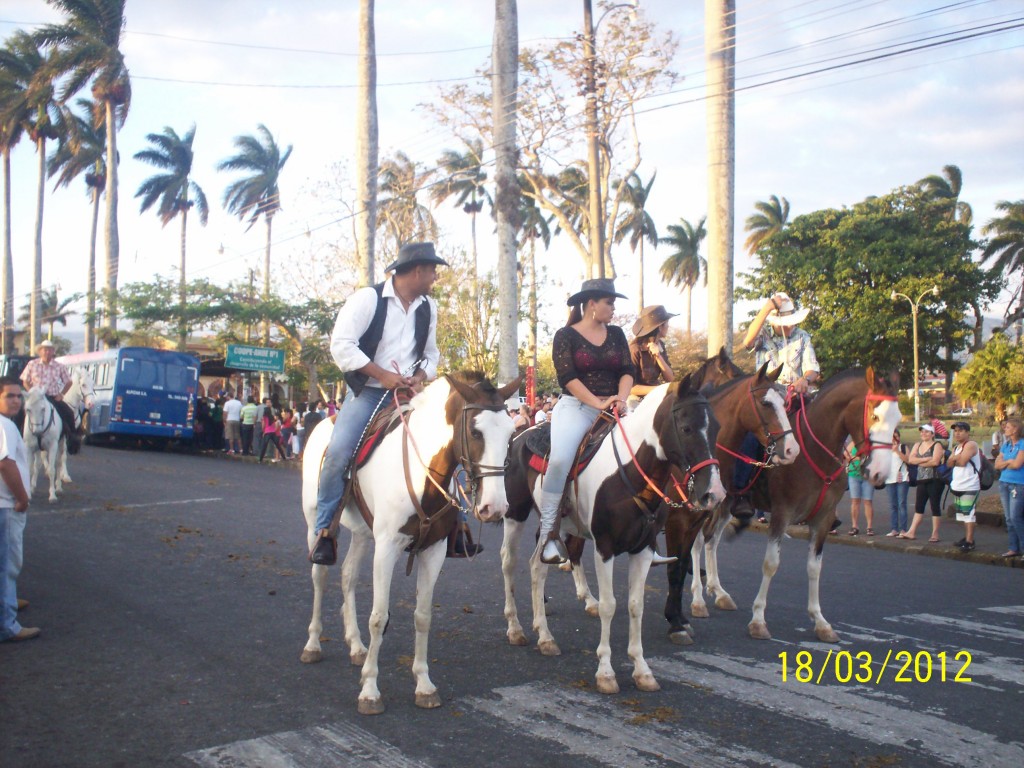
(397, 342)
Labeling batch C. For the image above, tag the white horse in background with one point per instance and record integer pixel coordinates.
(44, 436)
(82, 395)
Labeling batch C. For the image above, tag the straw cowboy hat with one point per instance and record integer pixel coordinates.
(597, 288)
(787, 314)
(650, 319)
(416, 253)
(45, 343)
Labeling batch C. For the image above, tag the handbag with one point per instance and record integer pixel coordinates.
(912, 474)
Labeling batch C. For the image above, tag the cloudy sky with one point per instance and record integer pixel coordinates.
(826, 139)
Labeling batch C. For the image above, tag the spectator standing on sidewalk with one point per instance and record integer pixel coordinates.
(14, 499)
(861, 491)
(1009, 460)
(926, 455)
(897, 485)
(233, 424)
(965, 485)
(257, 432)
(248, 424)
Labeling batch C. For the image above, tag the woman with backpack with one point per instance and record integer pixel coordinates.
(965, 460)
(926, 455)
(1009, 460)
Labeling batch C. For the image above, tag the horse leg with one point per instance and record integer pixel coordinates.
(678, 542)
(723, 600)
(605, 677)
(64, 476)
(698, 608)
(822, 628)
(639, 566)
(357, 549)
(757, 627)
(427, 571)
(384, 559)
(513, 530)
(312, 652)
(53, 471)
(538, 576)
(575, 545)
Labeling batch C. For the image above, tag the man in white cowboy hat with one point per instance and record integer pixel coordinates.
(385, 337)
(783, 343)
(55, 379)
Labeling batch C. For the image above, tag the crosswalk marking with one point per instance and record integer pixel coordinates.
(594, 726)
(971, 628)
(839, 708)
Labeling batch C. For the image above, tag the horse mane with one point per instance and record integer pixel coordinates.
(725, 386)
(839, 378)
(474, 378)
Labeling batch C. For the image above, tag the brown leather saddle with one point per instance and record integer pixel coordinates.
(538, 442)
(385, 420)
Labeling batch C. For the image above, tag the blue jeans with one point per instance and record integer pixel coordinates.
(898, 505)
(860, 488)
(353, 416)
(1012, 496)
(743, 472)
(9, 567)
(570, 422)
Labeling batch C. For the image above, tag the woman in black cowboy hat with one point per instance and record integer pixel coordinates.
(594, 369)
(647, 350)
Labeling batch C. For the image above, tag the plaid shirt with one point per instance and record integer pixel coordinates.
(794, 353)
(52, 377)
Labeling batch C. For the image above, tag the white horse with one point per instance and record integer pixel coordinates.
(451, 422)
(82, 395)
(44, 436)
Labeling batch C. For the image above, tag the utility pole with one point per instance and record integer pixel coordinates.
(720, 51)
(593, 154)
(366, 145)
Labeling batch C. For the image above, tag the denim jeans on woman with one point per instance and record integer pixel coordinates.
(570, 422)
(898, 505)
(1012, 496)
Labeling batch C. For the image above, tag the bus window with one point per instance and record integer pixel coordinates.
(140, 373)
(179, 377)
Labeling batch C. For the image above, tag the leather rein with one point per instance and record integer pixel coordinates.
(770, 444)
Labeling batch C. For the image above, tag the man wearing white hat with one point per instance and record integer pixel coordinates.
(54, 377)
(782, 342)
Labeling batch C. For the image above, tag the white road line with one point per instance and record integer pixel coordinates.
(594, 726)
(1009, 610)
(114, 507)
(334, 746)
(841, 709)
(971, 628)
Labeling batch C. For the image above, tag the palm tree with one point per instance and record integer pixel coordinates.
(770, 219)
(366, 144)
(51, 309)
(12, 128)
(31, 101)
(257, 194)
(534, 225)
(404, 219)
(685, 265)
(1006, 244)
(947, 188)
(465, 180)
(174, 155)
(82, 151)
(637, 223)
(88, 49)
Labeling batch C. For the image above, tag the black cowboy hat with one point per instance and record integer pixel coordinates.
(416, 253)
(650, 319)
(597, 288)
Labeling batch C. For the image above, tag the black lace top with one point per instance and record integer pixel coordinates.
(598, 368)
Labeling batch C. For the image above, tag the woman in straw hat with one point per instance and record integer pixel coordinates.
(647, 350)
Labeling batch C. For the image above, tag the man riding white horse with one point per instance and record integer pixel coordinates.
(385, 337)
(55, 379)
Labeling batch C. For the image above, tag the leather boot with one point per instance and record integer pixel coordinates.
(660, 559)
(553, 552)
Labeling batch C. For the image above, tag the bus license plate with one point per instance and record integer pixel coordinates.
(154, 416)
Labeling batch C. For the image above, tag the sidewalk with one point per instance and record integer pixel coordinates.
(989, 535)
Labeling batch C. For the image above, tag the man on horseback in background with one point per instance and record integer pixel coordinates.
(780, 343)
(55, 379)
(385, 337)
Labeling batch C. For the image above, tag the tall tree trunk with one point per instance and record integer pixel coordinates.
(531, 349)
(90, 286)
(182, 326)
(504, 88)
(720, 51)
(264, 376)
(7, 273)
(110, 229)
(688, 294)
(640, 279)
(366, 144)
(34, 307)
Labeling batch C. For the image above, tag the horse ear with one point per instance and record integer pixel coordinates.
(761, 372)
(774, 375)
(509, 389)
(869, 375)
(723, 360)
(469, 394)
(685, 385)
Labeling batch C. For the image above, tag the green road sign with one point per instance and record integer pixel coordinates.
(255, 358)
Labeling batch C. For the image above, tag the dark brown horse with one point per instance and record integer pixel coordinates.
(611, 502)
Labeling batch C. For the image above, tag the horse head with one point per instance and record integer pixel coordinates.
(482, 429)
(716, 370)
(687, 430)
(870, 419)
(39, 414)
(770, 406)
(82, 380)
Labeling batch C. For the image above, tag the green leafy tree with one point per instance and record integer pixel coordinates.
(947, 188)
(684, 266)
(52, 310)
(770, 219)
(88, 50)
(467, 330)
(1006, 248)
(400, 214)
(995, 374)
(174, 191)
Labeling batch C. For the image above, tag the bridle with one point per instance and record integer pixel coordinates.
(38, 434)
(771, 439)
(476, 471)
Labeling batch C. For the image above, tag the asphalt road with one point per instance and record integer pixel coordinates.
(173, 595)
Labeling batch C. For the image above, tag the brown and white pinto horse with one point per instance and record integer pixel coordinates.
(673, 426)
(459, 419)
(854, 403)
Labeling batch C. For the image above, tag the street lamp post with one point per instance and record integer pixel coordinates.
(934, 291)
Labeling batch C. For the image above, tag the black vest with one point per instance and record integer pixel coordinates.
(370, 340)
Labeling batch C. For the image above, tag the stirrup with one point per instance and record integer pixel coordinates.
(554, 552)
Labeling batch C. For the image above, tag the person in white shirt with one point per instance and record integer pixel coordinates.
(385, 337)
(233, 424)
(965, 484)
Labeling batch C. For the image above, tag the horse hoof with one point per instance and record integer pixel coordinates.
(549, 648)
(759, 630)
(725, 603)
(606, 684)
(428, 700)
(680, 637)
(593, 612)
(826, 635)
(310, 657)
(371, 706)
(646, 683)
(357, 658)
(517, 638)
(699, 611)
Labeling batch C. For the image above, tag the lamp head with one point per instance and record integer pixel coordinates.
(935, 290)
(893, 296)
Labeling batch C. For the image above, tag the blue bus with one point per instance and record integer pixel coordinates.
(140, 392)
